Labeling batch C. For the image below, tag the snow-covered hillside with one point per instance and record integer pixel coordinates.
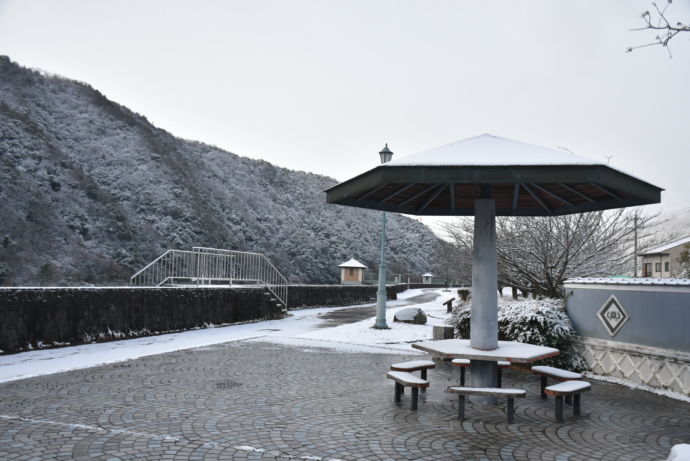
(91, 191)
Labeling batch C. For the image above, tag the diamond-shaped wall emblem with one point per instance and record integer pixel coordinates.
(612, 315)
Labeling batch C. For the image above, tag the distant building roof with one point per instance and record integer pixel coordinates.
(627, 281)
(666, 247)
(428, 274)
(352, 262)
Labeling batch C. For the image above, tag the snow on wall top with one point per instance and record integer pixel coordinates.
(352, 262)
(490, 150)
(630, 281)
(668, 246)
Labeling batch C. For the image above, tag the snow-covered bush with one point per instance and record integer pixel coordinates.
(543, 322)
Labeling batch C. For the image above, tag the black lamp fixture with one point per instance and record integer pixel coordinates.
(386, 154)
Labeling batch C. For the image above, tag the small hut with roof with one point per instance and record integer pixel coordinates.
(352, 272)
(426, 278)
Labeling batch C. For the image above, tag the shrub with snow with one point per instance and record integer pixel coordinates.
(543, 322)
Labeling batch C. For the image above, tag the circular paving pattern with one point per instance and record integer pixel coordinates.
(253, 400)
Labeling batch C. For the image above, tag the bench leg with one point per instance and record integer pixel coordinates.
(559, 408)
(424, 378)
(511, 410)
(462, 376)
(576, 404)
(543, 386)
(498, 378)
(415, 395)
(568, 399)
(461, 407)
(398, 392)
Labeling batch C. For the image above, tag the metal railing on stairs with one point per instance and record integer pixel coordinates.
(213, 266)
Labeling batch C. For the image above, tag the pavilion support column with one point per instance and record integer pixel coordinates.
(484, 320)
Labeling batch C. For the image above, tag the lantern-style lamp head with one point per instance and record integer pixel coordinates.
(386, 154)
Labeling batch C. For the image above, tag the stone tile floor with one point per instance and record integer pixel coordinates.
(254, 400)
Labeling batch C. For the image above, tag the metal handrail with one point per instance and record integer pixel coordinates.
(205, 266)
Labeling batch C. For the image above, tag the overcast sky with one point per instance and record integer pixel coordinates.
(322, 85)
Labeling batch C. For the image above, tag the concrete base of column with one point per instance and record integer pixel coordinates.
(483, 373)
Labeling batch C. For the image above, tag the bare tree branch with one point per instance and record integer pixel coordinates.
(538, 254)
(658, 21)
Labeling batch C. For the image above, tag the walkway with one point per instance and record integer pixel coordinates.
(256, 400)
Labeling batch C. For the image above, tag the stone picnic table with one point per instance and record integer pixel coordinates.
(511, 351)
(484, 363)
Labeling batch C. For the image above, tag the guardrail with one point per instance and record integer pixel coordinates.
(213, 266)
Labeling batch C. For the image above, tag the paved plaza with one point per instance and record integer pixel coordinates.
(258, 400)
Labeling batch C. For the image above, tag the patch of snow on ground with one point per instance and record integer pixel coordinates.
(400, 336)
(49, 361)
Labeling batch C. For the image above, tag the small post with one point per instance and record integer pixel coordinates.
(461, 407)
(511, 409)
(543, 387)
(440, 332)
(415, 396)
(462, 377)
(397, 392)
(499, 376)
(576, 404)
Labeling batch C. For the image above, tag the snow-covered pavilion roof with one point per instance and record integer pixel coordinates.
(666, 247)
(523, 179)
(352, 262)
(428, 274)
(490, 150)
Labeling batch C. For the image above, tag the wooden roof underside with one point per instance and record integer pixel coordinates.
(540, 194)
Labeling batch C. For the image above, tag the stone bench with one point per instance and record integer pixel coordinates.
(510, 394)
(567, 389)
(414, 365)
(546, 372)
(402, 379)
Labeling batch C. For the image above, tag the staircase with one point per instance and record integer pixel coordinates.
(213, 266)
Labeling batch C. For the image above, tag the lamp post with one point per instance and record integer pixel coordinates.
(381, 295)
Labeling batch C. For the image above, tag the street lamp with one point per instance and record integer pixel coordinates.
(381, 295)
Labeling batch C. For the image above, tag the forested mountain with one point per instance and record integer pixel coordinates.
(91, 191)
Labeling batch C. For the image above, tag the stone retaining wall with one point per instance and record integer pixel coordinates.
(337, 295)
(37, 317)
(45, 317)
(659, 368)
(426, 285)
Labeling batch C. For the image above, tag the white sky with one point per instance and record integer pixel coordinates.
(322, 85)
